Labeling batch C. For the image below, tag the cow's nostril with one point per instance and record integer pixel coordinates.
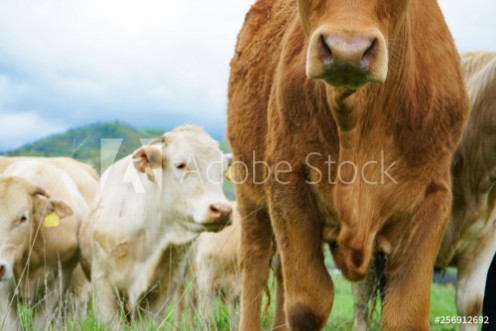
(214, 212)
(214, 209)
(325, 51)
(220, 211)
(2, 270)
(371, 52)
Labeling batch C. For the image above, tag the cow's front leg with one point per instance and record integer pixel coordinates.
(256, 251)
(308, 286)
(8, 308)
(410, 265)
(104, 298)
(206, 294)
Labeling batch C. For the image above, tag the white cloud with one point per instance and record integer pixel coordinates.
(472, 23)
(146, 62)
(136, 46)
(21, 128)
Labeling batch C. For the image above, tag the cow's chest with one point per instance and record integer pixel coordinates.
(152, 270)
(354, 187)
(34, 285)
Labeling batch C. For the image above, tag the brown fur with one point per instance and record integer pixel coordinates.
(416, 117)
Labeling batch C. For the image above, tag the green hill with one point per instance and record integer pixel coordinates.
(85, 143)
(90, 144)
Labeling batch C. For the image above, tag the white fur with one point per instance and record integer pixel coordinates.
(137, 216)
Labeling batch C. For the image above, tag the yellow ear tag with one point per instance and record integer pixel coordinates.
(230, 173)
(52, 220)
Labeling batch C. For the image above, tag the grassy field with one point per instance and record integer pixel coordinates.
(341, 319)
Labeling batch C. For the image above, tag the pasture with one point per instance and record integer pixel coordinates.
(341, 319)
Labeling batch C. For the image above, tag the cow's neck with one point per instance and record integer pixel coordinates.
(366, 122)
(364, 114)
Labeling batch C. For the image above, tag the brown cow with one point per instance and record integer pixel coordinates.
(469, 241)
(382, 96)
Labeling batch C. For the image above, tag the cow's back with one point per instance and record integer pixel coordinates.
(85, 177)
(83, 174)
(475, 62)
(55, 181)
(253, 69)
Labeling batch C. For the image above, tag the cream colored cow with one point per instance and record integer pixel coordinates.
(469, 242)
(86, 180)
(150, 207)
(214, 273)
(40, 212)
(83, 174)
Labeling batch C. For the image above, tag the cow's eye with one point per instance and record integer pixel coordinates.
(23, 219)
(182, 166)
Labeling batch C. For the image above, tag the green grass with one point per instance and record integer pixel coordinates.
(341, 319)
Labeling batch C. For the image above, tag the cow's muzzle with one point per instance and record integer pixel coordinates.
(219, 216)
(347, 58)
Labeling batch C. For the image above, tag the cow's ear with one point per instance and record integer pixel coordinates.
(61, 209)
(146, 158)
(50, 211)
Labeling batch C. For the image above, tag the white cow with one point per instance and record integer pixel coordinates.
(41, 209)
(150, 207)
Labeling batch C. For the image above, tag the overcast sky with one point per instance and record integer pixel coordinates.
(150, 63)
